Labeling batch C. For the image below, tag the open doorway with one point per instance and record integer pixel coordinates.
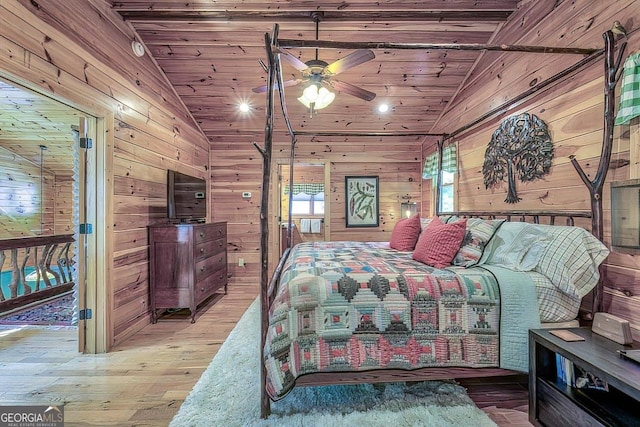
(307, 201)
(44, 190)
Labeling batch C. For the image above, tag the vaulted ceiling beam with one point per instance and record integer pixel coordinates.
(330, 44)
(386, 16)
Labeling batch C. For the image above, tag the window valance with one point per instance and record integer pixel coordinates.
(449, 162)
(310, 189)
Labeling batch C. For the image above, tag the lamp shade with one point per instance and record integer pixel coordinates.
(316, 97)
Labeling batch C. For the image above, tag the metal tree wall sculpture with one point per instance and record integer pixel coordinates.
(522, 147)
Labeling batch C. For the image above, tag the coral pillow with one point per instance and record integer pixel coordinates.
(439, 242)
(405, 234)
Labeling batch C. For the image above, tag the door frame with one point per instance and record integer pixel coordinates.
(94, 335)
(276, 197)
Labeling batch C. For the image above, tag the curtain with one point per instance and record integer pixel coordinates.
(449, 162)
(310, 189)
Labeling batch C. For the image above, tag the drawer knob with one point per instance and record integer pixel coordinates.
(201, 250)
(220, 244)
(201, 268)
(202, 234)
(201, 289)
(221, 259)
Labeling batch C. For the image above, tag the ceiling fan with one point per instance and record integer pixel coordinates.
(320, 75)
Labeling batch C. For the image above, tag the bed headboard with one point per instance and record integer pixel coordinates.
(536, 217)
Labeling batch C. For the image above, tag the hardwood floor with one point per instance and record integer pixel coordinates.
(144, 381)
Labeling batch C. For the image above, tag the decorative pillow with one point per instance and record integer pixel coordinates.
(439, 242)
(516, 246)
(571, 259)
(405, 234)
(478, 234)
(444, 218)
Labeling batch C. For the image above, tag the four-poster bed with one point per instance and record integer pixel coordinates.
(271, 292)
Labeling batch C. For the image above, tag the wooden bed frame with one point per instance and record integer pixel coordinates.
(595, 187)
(420, 374)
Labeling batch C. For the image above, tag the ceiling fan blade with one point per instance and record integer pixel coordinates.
(287, 83)
(352, 90)
(355, 58)
(297, 64)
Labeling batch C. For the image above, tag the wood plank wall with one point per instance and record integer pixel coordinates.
(236, 166)
(21, 198)
(573, 110)
(79, 51)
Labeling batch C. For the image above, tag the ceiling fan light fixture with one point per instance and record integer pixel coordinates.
(315, 98)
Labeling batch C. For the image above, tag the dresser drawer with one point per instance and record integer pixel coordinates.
(208, 232)
(210, 248)
(207, 266)
(207, 286)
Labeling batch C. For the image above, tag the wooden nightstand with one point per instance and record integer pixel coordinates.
(554, 403)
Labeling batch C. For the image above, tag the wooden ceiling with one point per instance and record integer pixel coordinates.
(29, 121)
(210, 53)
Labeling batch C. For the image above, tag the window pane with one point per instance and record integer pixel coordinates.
(446, 198)
(300, 208)
(318, 207)
(447, 177)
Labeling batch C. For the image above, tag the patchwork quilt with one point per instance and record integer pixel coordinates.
(354, 306)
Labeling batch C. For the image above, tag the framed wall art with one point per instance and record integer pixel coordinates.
(361, 201)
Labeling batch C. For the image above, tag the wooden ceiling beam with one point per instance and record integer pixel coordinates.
(330, 44)
(483, 16)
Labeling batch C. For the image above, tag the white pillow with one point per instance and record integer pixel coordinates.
(571, 259)
(517, 246)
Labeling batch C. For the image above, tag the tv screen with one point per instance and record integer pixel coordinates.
(186, 197)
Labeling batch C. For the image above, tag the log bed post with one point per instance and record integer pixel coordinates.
(595, 186)
(264, 211)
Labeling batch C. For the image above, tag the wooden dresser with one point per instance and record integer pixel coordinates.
(188, 264)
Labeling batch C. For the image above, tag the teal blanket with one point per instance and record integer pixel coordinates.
(518, 313)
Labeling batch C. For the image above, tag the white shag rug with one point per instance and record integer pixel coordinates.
(228, 394)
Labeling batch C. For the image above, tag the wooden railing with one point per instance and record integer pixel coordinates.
(36, 254)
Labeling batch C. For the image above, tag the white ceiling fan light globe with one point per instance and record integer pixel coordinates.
(325, 97)
(310, 93)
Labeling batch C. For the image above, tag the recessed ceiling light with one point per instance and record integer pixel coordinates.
(244, 107)
(383, 108)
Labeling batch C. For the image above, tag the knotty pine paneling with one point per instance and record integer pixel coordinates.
(26, 202)
(236, 166)
(573, 111)
(63, 202)
(92, 67)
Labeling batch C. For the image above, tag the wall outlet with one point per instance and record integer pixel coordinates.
(240, 262)
(246, 195)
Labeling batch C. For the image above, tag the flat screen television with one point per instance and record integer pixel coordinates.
(186, 197)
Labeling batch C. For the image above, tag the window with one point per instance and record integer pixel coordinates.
(447, 191)
(447, 181)
(307, 204)
(307, 199)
